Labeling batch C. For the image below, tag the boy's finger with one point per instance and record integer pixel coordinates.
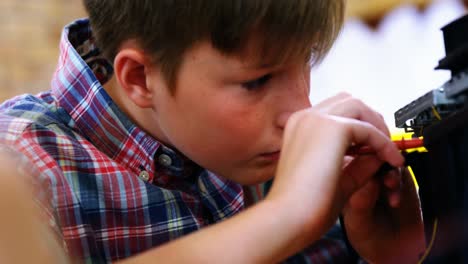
(392, 179)
(332, 100)
(361, 133)
(358, 172)
(394, 198)
(364, 199)
(350, 107)
(359, 110)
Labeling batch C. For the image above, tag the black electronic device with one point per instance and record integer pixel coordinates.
(441, 117)
(449, 98)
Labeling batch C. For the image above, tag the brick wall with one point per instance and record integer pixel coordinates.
(29, 35)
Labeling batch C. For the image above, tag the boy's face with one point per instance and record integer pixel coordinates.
(228, 114)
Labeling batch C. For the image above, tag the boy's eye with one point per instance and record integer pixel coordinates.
(257, 83)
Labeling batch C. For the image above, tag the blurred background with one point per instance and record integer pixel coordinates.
(387, 52)
(29, 35)
(385, 55)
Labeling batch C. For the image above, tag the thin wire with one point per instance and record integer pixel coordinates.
(436, 114)
(431, 243)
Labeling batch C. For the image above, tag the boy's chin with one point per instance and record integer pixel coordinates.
(254, 176)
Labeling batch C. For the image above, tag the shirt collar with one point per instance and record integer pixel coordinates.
(77, 88)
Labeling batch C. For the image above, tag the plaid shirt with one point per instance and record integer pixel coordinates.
(114, 191)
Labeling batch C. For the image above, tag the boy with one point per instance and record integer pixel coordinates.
(161, 113)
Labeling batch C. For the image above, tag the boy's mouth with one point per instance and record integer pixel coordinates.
(273, 156)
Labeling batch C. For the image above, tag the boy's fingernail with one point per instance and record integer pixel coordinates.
(393, 179)
(395, 199)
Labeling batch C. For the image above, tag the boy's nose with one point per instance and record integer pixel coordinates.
(296, 104)
(283, 118)
(293, 97)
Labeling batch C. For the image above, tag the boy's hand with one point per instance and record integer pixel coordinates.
(315, 178)
(345, 105)
(390, 230)
(385, 232)
(309, 172)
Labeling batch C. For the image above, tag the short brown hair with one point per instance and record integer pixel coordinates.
(166, 29)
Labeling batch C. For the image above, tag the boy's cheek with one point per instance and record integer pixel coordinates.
(233, 161)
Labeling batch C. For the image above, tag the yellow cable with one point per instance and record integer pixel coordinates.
(436, 114)
(431, 243)
(413, 177)
(434, 230)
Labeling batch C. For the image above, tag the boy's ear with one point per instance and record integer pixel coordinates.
(132, 68)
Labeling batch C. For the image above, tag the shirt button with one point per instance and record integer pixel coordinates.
(165, 160)
(144, 175)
